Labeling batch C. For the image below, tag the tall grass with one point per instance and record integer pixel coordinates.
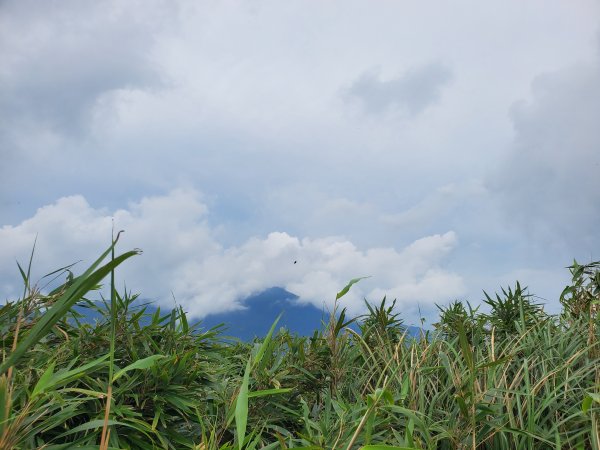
(514, 377)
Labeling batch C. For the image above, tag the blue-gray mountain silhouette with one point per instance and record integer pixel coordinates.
(256, 319)
(261, 311)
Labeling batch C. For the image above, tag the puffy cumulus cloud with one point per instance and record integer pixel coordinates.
(412, 92)
(549, 182)
(183, 257)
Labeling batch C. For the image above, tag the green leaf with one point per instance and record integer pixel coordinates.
(65, 376)
(5, 405)
(494, 363)
(157, 413)
(588, 400)
(83, 284)
(23, 275)
(405, 387)
(384, 394)
(70, 446)
(265, 392)
(241, 406)
(311, 447)
(26, 278)
(462, 405)
(412, 416)
(183, 319)
(44, 380)
(464, 346)
(410, 432)
(348, 286)
(265, 342)
(385, 447)
(90, 393)
(140, 364)
(91, 425)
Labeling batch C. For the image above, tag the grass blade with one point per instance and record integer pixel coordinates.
(78, 289)
(140, 364)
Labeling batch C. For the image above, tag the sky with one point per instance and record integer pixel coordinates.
(439, 148)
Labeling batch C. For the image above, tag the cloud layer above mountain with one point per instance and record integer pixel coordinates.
(183, 257)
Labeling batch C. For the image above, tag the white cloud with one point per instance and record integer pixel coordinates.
(182, 255)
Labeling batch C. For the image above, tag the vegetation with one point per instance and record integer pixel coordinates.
(511, 378)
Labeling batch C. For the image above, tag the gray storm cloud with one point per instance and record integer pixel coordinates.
(68, 59)
(550, 181)
(413, 92)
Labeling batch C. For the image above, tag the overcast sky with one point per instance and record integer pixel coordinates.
(441, 148)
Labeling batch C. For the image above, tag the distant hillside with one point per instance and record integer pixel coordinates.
(261, 311)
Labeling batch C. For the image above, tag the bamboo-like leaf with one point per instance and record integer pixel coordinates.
(462, 405)
(183, 320)
(88, 392)
(265, 392)
(140, 364)
(310, 447)
(54, 380)
(241, 406)
(26, 277)
(265, 342)
(91, 425)
(74, 293)
(44, 380)
(5, 405)
(348, 286)
(23, 276)
(497, 362)
(412, 415)
(588, 400)
(76, 447)
(464, 346)
(410, 432)
(385, 447)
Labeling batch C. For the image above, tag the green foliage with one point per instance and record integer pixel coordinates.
(455, 317)
(511, 310)
(582, 297)
(381, 325)
(510, 378)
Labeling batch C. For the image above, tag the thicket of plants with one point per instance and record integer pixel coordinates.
(511, 378)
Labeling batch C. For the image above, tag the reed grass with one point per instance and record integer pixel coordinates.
(513, 378)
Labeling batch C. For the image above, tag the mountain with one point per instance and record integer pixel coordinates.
(262, 309)
(260, 312)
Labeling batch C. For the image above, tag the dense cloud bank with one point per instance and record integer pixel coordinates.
(184, 258)
(549, 183)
